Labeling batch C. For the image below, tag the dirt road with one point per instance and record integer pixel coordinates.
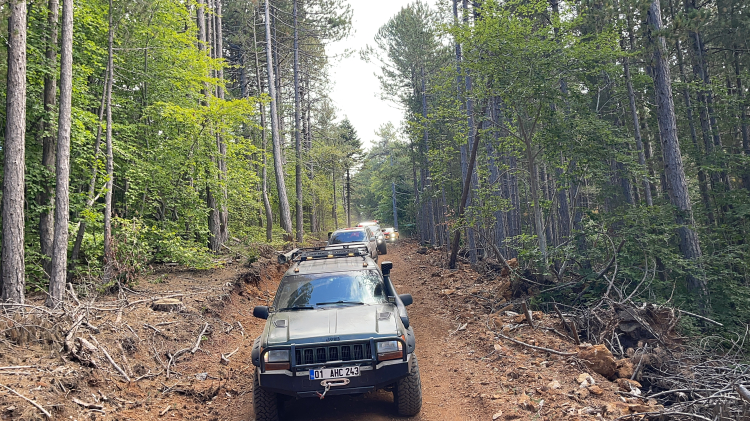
(164, 365)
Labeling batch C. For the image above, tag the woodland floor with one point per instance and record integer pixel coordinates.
(467, 373)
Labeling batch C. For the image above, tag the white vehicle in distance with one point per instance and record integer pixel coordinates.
(375, 227)
(359, 237)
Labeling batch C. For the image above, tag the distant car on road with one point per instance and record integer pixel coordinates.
(359, 237)
(390, 234)
(375, 227)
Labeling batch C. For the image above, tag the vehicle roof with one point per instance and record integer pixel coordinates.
(339, 264)
(348, 229)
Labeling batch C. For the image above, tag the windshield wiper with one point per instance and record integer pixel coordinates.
(298, 308)
(340, 302)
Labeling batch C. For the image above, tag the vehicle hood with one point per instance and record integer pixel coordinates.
(343, 323)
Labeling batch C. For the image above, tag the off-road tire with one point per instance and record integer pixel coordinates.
(265, 403)
(382, 248)
(408, 392)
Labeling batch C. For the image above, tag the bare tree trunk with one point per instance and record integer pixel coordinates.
(348, 198)
(534, 189)
(46, 197)
(297, 132)
(673, 168)
(427, 208)
(59, 264)
(286, 217)
(14, 160)
(264, 175)
(743, 120)
(224, 215)
(464, 197)
(334, 214)
(108, 250)
(637, 131)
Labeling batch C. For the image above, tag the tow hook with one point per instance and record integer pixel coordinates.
(331, 383)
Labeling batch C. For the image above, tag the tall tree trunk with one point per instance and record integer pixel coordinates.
(297, 131)
(702, 180)
(673, 168)
(532, 168)
(264, 171)
(285, 213)
(60, 246)
(464, 197)
(46, 197)
(427, 208)
(334, 213)
(348, 197)
(14, 160)
(224, 215)
(108, 250)
(637, 131)
(743, 120)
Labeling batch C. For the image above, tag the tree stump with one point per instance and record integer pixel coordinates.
(168, 305)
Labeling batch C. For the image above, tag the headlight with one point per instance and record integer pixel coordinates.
(379, 240)
(276, 356)
(389, 350)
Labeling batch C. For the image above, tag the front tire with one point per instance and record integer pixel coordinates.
(407, 394)
(265, 403)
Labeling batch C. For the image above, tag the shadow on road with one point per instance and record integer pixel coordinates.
(374, 406)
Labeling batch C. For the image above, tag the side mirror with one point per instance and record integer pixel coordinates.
(329, 234)
(407, 299)
(386, 267)
(260, 312)
(372, 238)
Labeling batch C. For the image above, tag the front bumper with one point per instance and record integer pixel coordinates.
(300, 385)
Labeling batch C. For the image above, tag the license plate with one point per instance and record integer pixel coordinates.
(334, 373)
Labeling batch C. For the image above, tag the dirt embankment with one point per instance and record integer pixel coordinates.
(116, 358)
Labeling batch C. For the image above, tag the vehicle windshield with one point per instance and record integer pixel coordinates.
(342, 237)
(388, 230)
(299, 292)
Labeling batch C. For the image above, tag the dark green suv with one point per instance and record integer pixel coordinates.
(336, 327)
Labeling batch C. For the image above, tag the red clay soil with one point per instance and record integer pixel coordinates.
(467, 373)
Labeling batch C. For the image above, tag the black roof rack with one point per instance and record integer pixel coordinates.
(316, 253)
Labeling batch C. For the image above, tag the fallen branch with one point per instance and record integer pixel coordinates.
(172, 358)
(640, 414)
(538, 348)
(569, 326)
(87, 405)
(44, 411)
(154, 299)
(198, 341)
(16, 367)
(743, 392)
(69, 336)
(155, 329)
(114, 364)
(700, 317)
(225, 358)
(161, 414)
